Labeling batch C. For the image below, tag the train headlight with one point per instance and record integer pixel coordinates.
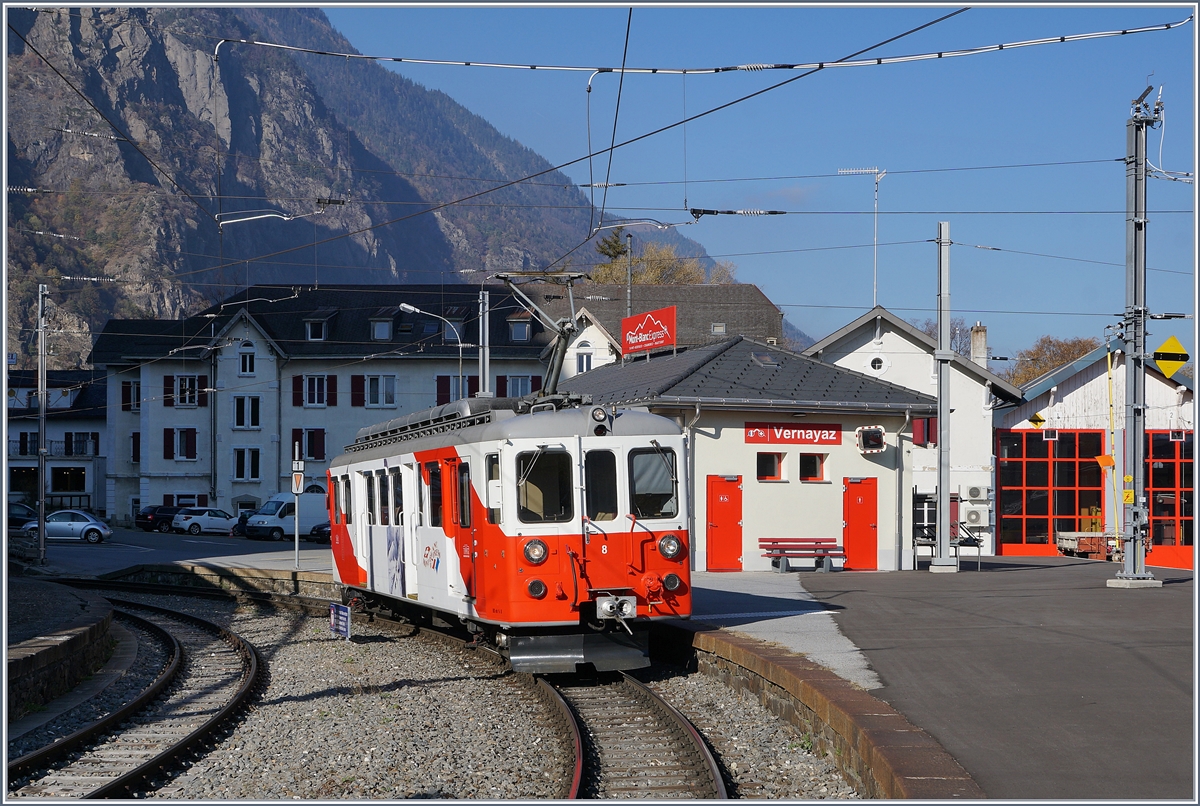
(669, 546)
(607, 607)
(626, 608)
(599, 415)
(536, 552)
(672, 582)
(536, 588)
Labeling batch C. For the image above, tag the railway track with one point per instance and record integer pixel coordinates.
(632, 744)
(212, 672)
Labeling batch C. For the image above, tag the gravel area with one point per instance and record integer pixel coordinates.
(763, 756)
(149, 663)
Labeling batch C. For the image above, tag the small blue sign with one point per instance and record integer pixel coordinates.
(339, 620)
(12, 359)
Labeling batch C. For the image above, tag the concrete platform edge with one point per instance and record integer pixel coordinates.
(878, 750)
(300, 583)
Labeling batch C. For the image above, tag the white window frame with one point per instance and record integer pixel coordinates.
(186, 500)
(306, 451)
(187, 391)
(381, 330)
(135, 395)
(247, 452)
(246, 360)
(513, 382)
(314, 330)
(316, 392)
(515, 328)
(242, 406)
(376, 386)
(181, 443)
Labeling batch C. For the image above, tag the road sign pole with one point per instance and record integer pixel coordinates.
(297, 489)
(942, 562)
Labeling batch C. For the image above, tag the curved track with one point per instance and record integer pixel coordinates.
(635, 745)
(214, 672)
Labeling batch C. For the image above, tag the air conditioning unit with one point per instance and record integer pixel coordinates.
(979, 493)
(974, 515)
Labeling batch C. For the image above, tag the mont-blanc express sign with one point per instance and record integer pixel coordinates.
(648, 331)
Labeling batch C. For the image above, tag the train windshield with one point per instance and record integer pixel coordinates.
(653, 487)
(600, 471)
(544, 487)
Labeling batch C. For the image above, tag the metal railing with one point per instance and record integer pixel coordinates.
(56, 447)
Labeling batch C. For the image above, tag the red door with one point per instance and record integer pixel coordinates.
(860, 529)
(724, 534)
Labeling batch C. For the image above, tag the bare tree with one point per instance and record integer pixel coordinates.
(960, 333)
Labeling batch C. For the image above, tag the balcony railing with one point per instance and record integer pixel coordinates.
(59, 447)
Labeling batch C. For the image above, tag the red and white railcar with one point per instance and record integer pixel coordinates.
(554, 529)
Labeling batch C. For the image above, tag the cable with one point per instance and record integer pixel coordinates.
(616, 115)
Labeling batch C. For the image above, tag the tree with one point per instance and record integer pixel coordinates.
(656, 264)
(960, 334)
(1046, 355)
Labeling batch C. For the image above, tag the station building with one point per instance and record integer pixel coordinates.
(773, 450)
(1052, 476)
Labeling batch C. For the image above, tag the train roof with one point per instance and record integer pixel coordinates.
(494, 419)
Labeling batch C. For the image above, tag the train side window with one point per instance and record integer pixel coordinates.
(492, 465)
(370, 482)
(434, 471)
(397, 499)
(653, 485)
(335, 492)
(347, 501)
(464, 494)
(544, 487)
(384, 506)
(600, 472)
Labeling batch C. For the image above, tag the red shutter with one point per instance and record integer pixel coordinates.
(297, 436)
(189, 443)
(168, 500)
(501, 386)
(472, 385)
(358, 390)
(535, 383)
(202, 391)
(95, 447)
(330, 390)
(137, 446)
(443, 390)
(168, 390)
(318, 444)
(933, 431)
(201, 500)
(297, 390)
(126, 396)
(168, 444)
(919, 436)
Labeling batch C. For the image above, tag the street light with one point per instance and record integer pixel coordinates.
(875, 273)
(404, 306)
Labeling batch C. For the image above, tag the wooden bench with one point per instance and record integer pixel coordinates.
(821, 549)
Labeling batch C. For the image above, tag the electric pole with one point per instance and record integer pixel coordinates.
(43, 393)
(942, 562)
(1136, 521)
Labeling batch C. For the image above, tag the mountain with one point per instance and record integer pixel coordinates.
(128, 141)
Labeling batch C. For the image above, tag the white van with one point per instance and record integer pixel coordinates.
(275, 519)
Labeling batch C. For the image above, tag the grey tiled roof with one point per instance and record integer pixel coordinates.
(742, 373)
(90, 402)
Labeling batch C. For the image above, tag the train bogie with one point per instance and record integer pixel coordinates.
(556, 531)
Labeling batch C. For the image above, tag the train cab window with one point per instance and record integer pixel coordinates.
(397, 499)
(464, 494)
(434, 473)
(653, 485)
(600, 472)
(347, 506)
(544, 487)
(384, 507)
(371, 510)
(492, 465)
(335, 492)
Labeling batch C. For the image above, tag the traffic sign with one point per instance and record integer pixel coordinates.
(297, 465)
(1037, 420)
(1170, 356)
(297, 483)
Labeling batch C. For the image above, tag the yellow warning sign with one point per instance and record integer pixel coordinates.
(1128, 479)
(1126, 496)
(1170, 356)
(1037, 420)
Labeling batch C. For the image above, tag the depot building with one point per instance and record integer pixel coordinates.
(779, 445)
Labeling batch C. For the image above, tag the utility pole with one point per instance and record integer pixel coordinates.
(43, 393)
(1135, 528)
(485, 344)
(942, 561)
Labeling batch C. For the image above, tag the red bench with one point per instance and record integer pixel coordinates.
(782, 549)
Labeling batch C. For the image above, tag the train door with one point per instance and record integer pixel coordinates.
(723, 537)
(391, 522)
(606, 543)
(367, 520)
(460, 525)
(860, 527)
(411, 508)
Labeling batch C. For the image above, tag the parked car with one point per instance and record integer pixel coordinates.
(71, 524)
(18, 516)
(202, 519)
(155, 518)
(320, 533)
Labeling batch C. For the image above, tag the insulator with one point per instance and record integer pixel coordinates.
(754, 67)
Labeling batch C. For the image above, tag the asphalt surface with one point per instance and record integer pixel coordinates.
(1040, 680)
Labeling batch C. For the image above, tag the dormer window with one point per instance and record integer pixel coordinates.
(453, 331)
(381, 330)
(718, 328)
(316, 331)
(316, 326)
(519, 331)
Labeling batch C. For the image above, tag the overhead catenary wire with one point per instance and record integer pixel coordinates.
(616, 117)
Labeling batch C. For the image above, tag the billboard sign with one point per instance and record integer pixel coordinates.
(790, 434)
(648, 331)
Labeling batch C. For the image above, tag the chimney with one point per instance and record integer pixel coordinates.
(979, 348)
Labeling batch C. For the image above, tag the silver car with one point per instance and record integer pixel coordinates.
(71, 524)
(203, 519)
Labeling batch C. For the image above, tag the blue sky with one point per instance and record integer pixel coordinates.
(1057, 103)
